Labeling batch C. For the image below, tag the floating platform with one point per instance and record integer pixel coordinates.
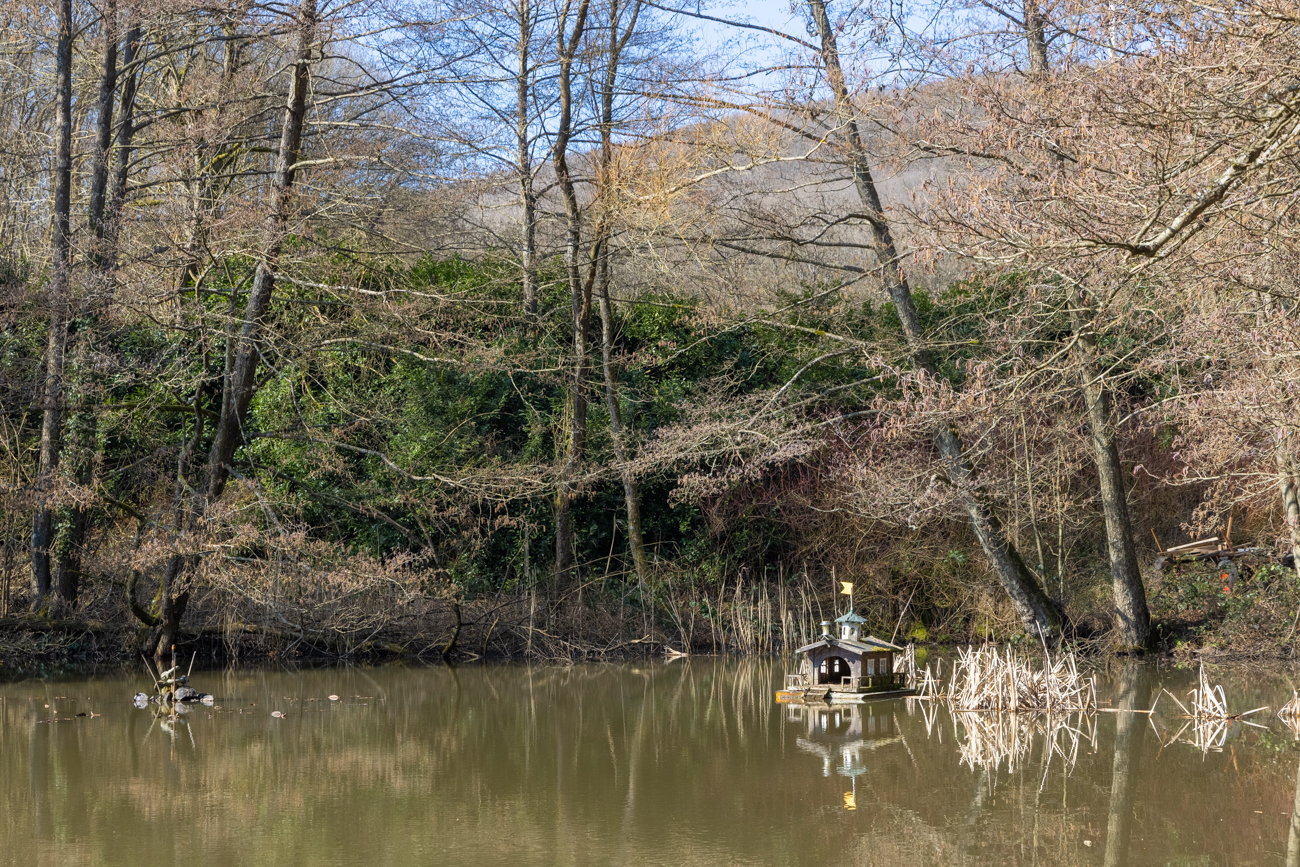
(830, 695)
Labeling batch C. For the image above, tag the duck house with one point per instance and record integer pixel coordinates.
(845, 667)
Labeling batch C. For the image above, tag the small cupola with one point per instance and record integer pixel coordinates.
(851, 626)
(826, 629)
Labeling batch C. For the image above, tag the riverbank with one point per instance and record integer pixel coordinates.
(518, 627)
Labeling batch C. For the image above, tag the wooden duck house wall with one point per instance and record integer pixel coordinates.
(832, 664)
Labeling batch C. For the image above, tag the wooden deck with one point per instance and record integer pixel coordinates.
(800, 689)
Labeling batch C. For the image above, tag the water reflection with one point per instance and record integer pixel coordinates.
(640, 765)
(170, 720)
(841, 736)
(987, 740)
(1134, 694)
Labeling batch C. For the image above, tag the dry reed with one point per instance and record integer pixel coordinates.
(985, 680)
(905, 663)
(1209, 703)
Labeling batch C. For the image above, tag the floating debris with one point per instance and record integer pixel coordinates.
(334, 698)
(277, 714)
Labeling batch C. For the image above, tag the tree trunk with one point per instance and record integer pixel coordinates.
(166, 622)
(242, 352)
(171, 607)
(1287, 485)
(103, 131)
(133, 600)
(77, 462)
(528, 251)
(213, 162)
(580, 297)
(631, 495)
(76, 466)
(237, 392)
(125, 135)
(1132, 617)
(59, 290)
(605, 186)
(1038, 613)
(1035, 38)
(524, 164)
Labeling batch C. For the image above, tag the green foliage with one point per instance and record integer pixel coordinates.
(483, 402)
(407, 408)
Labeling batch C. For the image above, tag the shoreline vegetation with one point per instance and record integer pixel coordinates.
(505, 627)
(542, 330)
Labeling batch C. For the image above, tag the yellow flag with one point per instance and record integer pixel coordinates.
(850, 801)
(847, 588)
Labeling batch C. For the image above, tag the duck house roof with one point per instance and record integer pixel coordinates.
(868, 644)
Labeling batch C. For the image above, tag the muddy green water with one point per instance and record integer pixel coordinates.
(681, 763)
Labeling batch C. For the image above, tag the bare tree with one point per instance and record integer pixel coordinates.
(58, 292)
(571, 25)
(238, 379)
(620, 31)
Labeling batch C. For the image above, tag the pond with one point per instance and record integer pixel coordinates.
(689, 762)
